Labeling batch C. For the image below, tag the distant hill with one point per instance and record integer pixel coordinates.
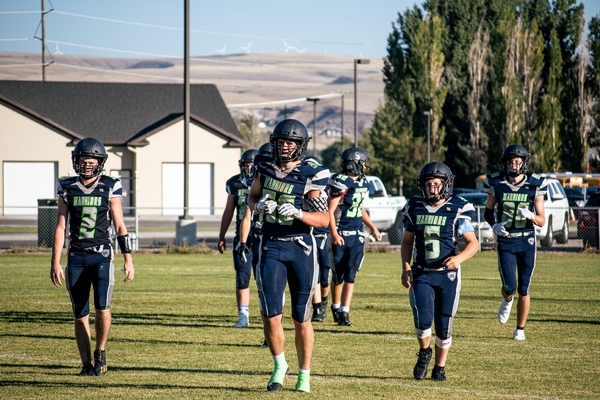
(241, 78)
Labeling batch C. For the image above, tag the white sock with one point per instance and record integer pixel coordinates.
(344, 309)
(335, 305)
(280, 358)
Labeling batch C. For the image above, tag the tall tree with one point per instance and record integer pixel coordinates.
(478, 66)
(566, 17)
(593, 84)
(550, 111)
(425, 65)
(397, 153)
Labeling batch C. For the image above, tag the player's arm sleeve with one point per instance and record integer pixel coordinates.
(488, 215)
(408, 223)
(466, 214)
(336, 187)
(116, 190)
(463, 226)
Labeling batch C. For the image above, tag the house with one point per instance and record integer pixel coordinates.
(141, 126)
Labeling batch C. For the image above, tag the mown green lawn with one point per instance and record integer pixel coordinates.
(172, 335)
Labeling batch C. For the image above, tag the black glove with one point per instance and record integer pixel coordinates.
(243, 251)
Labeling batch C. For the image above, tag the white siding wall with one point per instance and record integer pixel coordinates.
(25, 140)
(167, 146)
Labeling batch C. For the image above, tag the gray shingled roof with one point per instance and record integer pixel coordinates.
(118, 113)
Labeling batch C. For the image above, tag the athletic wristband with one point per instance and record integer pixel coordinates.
(124, 243)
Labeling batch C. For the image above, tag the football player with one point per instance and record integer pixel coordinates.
(433, 277)
(91, 202)
(519, 201)
(237, 191)
(325, 260)
(347, 193)
(290, 194)
(252, 222)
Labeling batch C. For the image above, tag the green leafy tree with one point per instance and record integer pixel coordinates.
(593, 81)
(248, 127)
(397, 153)
(479, 69)
(550, 111)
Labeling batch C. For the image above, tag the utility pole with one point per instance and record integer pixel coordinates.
(314, 100)
(428, 113)
(342, 125)
(186, 112)
(357, 61)
(43, 40)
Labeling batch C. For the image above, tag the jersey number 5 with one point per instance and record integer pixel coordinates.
(431, 242)
(88, 222)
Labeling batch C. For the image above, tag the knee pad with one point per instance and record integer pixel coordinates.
(242, 280)
(351, 275)
(422, 333)
(443, 343)
(508, 291)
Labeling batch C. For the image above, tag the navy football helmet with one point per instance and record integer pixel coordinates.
(247, 158)
(89, 147)
(515, 151)
(433, 170)
(294, 130)
(354, 161)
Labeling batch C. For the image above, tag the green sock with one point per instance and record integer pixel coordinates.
(303, 384)
(279, 371)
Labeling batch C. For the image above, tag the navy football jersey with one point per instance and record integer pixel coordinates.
(348, 214)
(290, 186)
(89, 209)
(509, 198)
(435, 228)
(239, 188)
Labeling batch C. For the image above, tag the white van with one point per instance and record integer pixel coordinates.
(556, 210)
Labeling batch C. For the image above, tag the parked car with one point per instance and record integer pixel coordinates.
(483, 230)
(587, 221)
(575, 196)
(556, 211)
(385, 211)
(457, 191)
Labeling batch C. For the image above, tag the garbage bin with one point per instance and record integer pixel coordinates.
(47, 213)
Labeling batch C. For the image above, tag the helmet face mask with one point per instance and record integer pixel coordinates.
(289, 130)
(431, 171)
(353, 161)
(511, 152)
(246, 163)
(88, 148)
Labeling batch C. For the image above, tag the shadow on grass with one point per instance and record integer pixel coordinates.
(103, 385)
(137, 369)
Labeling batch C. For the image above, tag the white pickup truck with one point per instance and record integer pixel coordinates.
(385, 211)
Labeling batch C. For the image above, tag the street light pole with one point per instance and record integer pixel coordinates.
(314, 100)
(186, 111)
(428, 113)
(342, 126)
(357, 61)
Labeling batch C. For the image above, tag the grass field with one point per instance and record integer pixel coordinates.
(171, 335)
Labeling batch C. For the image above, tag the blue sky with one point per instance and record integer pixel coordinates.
(154, 28)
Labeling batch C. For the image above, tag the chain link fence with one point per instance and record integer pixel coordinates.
(150, 228)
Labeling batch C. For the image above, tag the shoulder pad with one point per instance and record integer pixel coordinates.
(494, 175)
(536, 176)
(312, 162)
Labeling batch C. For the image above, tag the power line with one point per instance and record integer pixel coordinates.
(211, 32)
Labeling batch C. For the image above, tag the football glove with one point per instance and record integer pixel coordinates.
(265, 206)
(525, 213)
(243, 252)
(499, 229)
(288, 210)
